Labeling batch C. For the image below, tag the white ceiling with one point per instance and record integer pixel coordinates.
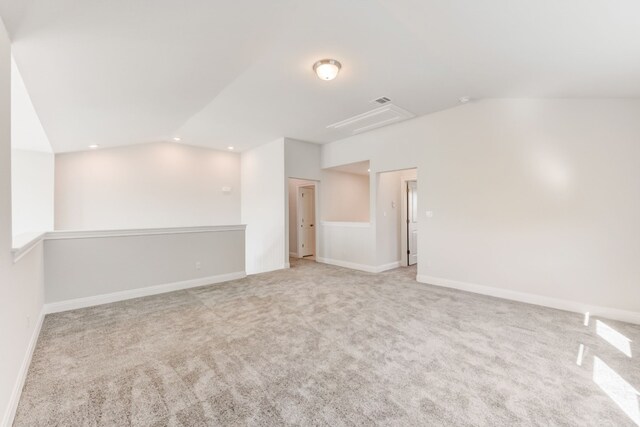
(26, 130)
(358, 168)
(239, 73)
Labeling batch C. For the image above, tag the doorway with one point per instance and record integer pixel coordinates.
(294, 221)
(306, 222)
(397, 218)
(412, 221)
(408, 224)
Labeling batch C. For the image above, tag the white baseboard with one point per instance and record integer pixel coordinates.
(389, 266)
(561, 304)
(56, 307)
(10, 413)
(283, 266)
(360, 267)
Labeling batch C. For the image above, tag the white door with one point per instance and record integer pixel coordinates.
(306, 221)
(412, 221)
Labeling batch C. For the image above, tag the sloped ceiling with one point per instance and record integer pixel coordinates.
(239, 74)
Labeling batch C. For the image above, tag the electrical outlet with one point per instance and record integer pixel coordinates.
(198, 265)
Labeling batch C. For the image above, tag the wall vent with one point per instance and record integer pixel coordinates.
(381, 100)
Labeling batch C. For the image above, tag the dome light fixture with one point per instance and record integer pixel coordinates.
(327, 69)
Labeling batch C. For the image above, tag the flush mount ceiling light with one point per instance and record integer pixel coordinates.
(94, 146)
(327, 69)
(176, 139)
(230, 148)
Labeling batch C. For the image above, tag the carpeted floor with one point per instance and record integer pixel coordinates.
(322, 345)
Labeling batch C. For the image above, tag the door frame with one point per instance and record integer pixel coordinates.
(404, 235)
(313, 184)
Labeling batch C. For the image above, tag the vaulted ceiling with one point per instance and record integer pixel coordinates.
(239, 72)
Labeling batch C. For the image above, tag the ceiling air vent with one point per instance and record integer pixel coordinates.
(381, 100)
(378, 117)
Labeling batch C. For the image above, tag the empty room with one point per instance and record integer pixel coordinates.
(338, 213)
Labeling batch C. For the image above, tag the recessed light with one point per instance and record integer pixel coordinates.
(94, 146)
(230, 148)
(464, 99)
(327, 69)
(176, 139)
(368, 170)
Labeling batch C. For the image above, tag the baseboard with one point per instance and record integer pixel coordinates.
(73, 304)
(283, 266)
(347, 264)
(389, 266)
(360, 267)
(10, 412)
(561, 304)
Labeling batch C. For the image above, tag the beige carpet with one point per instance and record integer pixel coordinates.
(321, 345)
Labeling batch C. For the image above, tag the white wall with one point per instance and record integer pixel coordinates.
(146, 186)
(345, 197)
(348, 244)
(101, 267)
(32, 188)
(388, 205)
(537, 197)
(302, 160)
(264, 207)
(21, 284)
